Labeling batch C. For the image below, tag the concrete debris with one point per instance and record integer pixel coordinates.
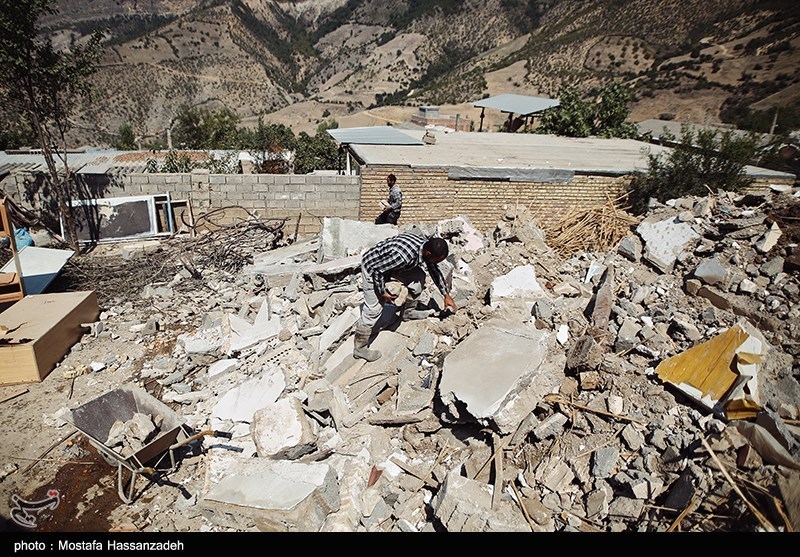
(130, 436)
(567, 393)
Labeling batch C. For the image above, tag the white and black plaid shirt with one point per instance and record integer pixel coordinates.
(398, 253)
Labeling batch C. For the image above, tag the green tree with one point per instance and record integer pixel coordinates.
(572, 117)
(604, 116)
(271, 147)
(15, 133)
(701, 162)
(317, 152)
(43, 84)
(611, 112)
(201, 128)
(126, 140)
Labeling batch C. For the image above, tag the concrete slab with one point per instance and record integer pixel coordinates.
(518, 284)
(502, 371)
(285, 256)
(244, 334)
(334, 266)
(341, 238)
(281, 430)
(276, 495)
(241, 402)
(337, 327)
(465, 505)
(664, 240)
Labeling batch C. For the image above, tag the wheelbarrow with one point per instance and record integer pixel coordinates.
(95, 418)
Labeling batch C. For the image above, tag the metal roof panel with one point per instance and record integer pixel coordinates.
(517, 104)
(374, 135)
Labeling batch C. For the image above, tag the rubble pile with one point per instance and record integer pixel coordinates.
(553, 400)
(130, 436)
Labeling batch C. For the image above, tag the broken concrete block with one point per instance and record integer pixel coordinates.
(465, 505)
(518, 284)
(414, 393)
(768, 240)
(627, 336)
(337, 327)
(664, 240)
(712, 272)
(241, 402)
(584, 355)
(558, 476)
(244, 334)
(342, 238)
(552, 426)
(275, 495)
(630, 247)
(204, 341)
(222, 367)
(502, 371)
(425, 345)
(604, 461)
(282, 430)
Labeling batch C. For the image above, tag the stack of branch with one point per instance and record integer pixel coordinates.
(229, 244)
(597, 228)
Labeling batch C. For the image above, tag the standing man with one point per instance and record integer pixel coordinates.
(393, 204)
(399, 258)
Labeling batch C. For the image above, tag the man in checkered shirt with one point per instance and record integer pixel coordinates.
(393, 204)
(398, 258)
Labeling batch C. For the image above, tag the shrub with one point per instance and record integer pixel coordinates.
(702, 162)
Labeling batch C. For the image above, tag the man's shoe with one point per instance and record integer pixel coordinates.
(360, 341)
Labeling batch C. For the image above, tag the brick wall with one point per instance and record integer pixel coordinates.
(429, 196)
(304, 200)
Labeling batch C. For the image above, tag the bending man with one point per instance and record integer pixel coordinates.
(399, 258)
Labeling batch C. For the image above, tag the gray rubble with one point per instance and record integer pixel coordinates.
(534, 407)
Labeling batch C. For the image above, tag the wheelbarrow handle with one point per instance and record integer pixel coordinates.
(204, 433)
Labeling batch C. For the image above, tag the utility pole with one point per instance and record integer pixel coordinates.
(774, 122)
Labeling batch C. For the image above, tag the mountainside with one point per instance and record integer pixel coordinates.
(304, 62)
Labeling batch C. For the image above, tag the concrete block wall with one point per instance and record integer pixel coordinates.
(303, 200)
(429, 196)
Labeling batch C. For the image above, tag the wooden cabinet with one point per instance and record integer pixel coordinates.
(40, 330)
(12, 288)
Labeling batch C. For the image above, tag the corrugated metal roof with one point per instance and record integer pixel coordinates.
(96, 161)
(517, 104)
(374, 135)
(657, 129)
(526, 151)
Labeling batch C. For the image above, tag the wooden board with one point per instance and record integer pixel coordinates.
(41, 329)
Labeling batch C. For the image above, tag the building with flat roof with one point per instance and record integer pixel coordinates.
(430, 116)
(480, 175)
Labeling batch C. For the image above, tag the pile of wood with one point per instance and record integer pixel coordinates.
(598, 228)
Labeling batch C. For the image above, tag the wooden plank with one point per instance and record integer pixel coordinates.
(11, 392)
(497, 492)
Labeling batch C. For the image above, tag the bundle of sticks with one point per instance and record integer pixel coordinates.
(597, 228)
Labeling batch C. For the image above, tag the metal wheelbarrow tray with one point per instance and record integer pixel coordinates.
(95, 418)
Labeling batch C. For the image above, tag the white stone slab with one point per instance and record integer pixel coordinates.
(519, 284)
(342, 238)
(240, 403)
(338, 327)
(491, 363)
(665, 240)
